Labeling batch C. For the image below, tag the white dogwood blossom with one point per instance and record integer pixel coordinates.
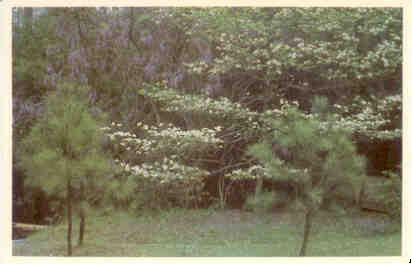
(165, 171)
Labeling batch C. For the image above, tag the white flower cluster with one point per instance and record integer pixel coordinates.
(204, 135)
(366, 122)
(197, 67)
(257, 171)
(163, 138)
(240, 52)
(369, 120)
(165, 172)
(177, 102)
(251, 173)
(390, 102)
(244, 121)
(253, 50)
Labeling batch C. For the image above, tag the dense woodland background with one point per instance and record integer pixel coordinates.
(182, 93)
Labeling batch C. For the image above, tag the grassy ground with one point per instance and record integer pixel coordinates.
(220, 233)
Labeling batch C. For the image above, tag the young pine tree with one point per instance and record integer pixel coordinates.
(62, 154)
(321, 159)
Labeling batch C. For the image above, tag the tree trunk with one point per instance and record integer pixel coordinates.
(82, 216)
(258, 189)
(69, 218)
(221, 189)
(361, 195)
(306, 231)
(82, 226)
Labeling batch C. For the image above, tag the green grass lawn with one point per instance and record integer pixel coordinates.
(220, 233)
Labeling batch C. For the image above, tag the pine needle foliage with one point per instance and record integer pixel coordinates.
(320, 160)
(62, 154)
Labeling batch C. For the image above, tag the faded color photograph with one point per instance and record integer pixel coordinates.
(206, 132)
